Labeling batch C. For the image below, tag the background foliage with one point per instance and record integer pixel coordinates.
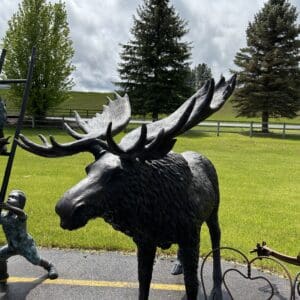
(154, 63)
(269, 74)
(44, 26)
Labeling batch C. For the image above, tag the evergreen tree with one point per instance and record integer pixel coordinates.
(43, 25)
(198, 75)
(154, 63)
(269, 75)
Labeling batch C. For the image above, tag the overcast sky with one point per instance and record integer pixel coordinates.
(98, 27)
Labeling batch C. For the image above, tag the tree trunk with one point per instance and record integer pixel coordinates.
(265, 122)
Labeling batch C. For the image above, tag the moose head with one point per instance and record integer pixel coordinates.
(141, 187)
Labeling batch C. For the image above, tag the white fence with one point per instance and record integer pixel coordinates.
(218, 127)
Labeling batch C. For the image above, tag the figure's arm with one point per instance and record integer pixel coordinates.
(263, 250)
(19, 212)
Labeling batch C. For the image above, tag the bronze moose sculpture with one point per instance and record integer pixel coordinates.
(141, 187)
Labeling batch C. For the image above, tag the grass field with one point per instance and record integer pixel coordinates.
(94, 101)
(259, 182)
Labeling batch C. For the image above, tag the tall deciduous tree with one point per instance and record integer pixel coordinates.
(43, 25)
(198, 75)
(269, 75)
(154, 63)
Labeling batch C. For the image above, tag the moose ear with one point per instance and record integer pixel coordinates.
(158, 152)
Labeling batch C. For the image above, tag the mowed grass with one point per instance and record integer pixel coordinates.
(77, 100)
(94, 101)
(86, 100)
(259, 184)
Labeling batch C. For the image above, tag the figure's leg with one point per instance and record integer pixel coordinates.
(146, 255)
(215, 236)
(5, 253)
(29, 251)
(177, 268)
(52, 272)
(189, 256)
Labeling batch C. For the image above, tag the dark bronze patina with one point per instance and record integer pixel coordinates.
(13, 219)
(141, 187)
(264, 250)
(14, 222)
(291, 290)
(4, 141)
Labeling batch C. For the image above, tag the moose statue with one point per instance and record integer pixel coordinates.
(141, 187)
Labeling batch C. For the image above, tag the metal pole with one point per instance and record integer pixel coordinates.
(9, 81)
(218, 128)
(251, 129)
(19, 127)
(2, 57)
(283, 130)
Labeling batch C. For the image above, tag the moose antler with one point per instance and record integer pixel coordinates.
(208, 100)
(158, 147)
(117, 112)
(151, 141)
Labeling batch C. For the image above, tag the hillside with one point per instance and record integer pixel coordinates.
(85, 101)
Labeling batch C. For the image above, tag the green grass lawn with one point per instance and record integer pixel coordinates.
(83, 101)
(86, 100)
(259, 182)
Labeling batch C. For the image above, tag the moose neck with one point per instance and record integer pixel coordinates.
(131, 202)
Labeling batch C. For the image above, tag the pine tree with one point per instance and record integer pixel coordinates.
(269, 75)
(43, 25)
(154, 63)
(198, 75)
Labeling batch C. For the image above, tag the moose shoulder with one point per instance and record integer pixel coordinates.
(141, 187)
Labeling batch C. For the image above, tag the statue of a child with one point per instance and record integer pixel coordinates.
(19, 242)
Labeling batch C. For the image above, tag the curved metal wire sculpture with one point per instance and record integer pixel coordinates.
(294, 285)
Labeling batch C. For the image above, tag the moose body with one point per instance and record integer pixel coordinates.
(142, 188)
(157, 203)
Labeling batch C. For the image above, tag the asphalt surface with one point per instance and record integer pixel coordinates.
(113, 275)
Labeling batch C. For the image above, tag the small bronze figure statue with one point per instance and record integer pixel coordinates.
(19, 242)
(264, 250)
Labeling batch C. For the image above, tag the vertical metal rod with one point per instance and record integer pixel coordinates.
(218, 128)
(251, 129)
(283, 130)
(19, 127)
(2, 58)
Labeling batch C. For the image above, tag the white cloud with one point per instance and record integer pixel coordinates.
(217, 32)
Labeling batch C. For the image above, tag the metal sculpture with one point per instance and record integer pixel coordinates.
(264, 250)
(13, 220)
(3, 141)
(3, 115)
(289, 290)
(141, 187)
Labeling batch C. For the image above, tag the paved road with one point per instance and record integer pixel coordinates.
(113, 275)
